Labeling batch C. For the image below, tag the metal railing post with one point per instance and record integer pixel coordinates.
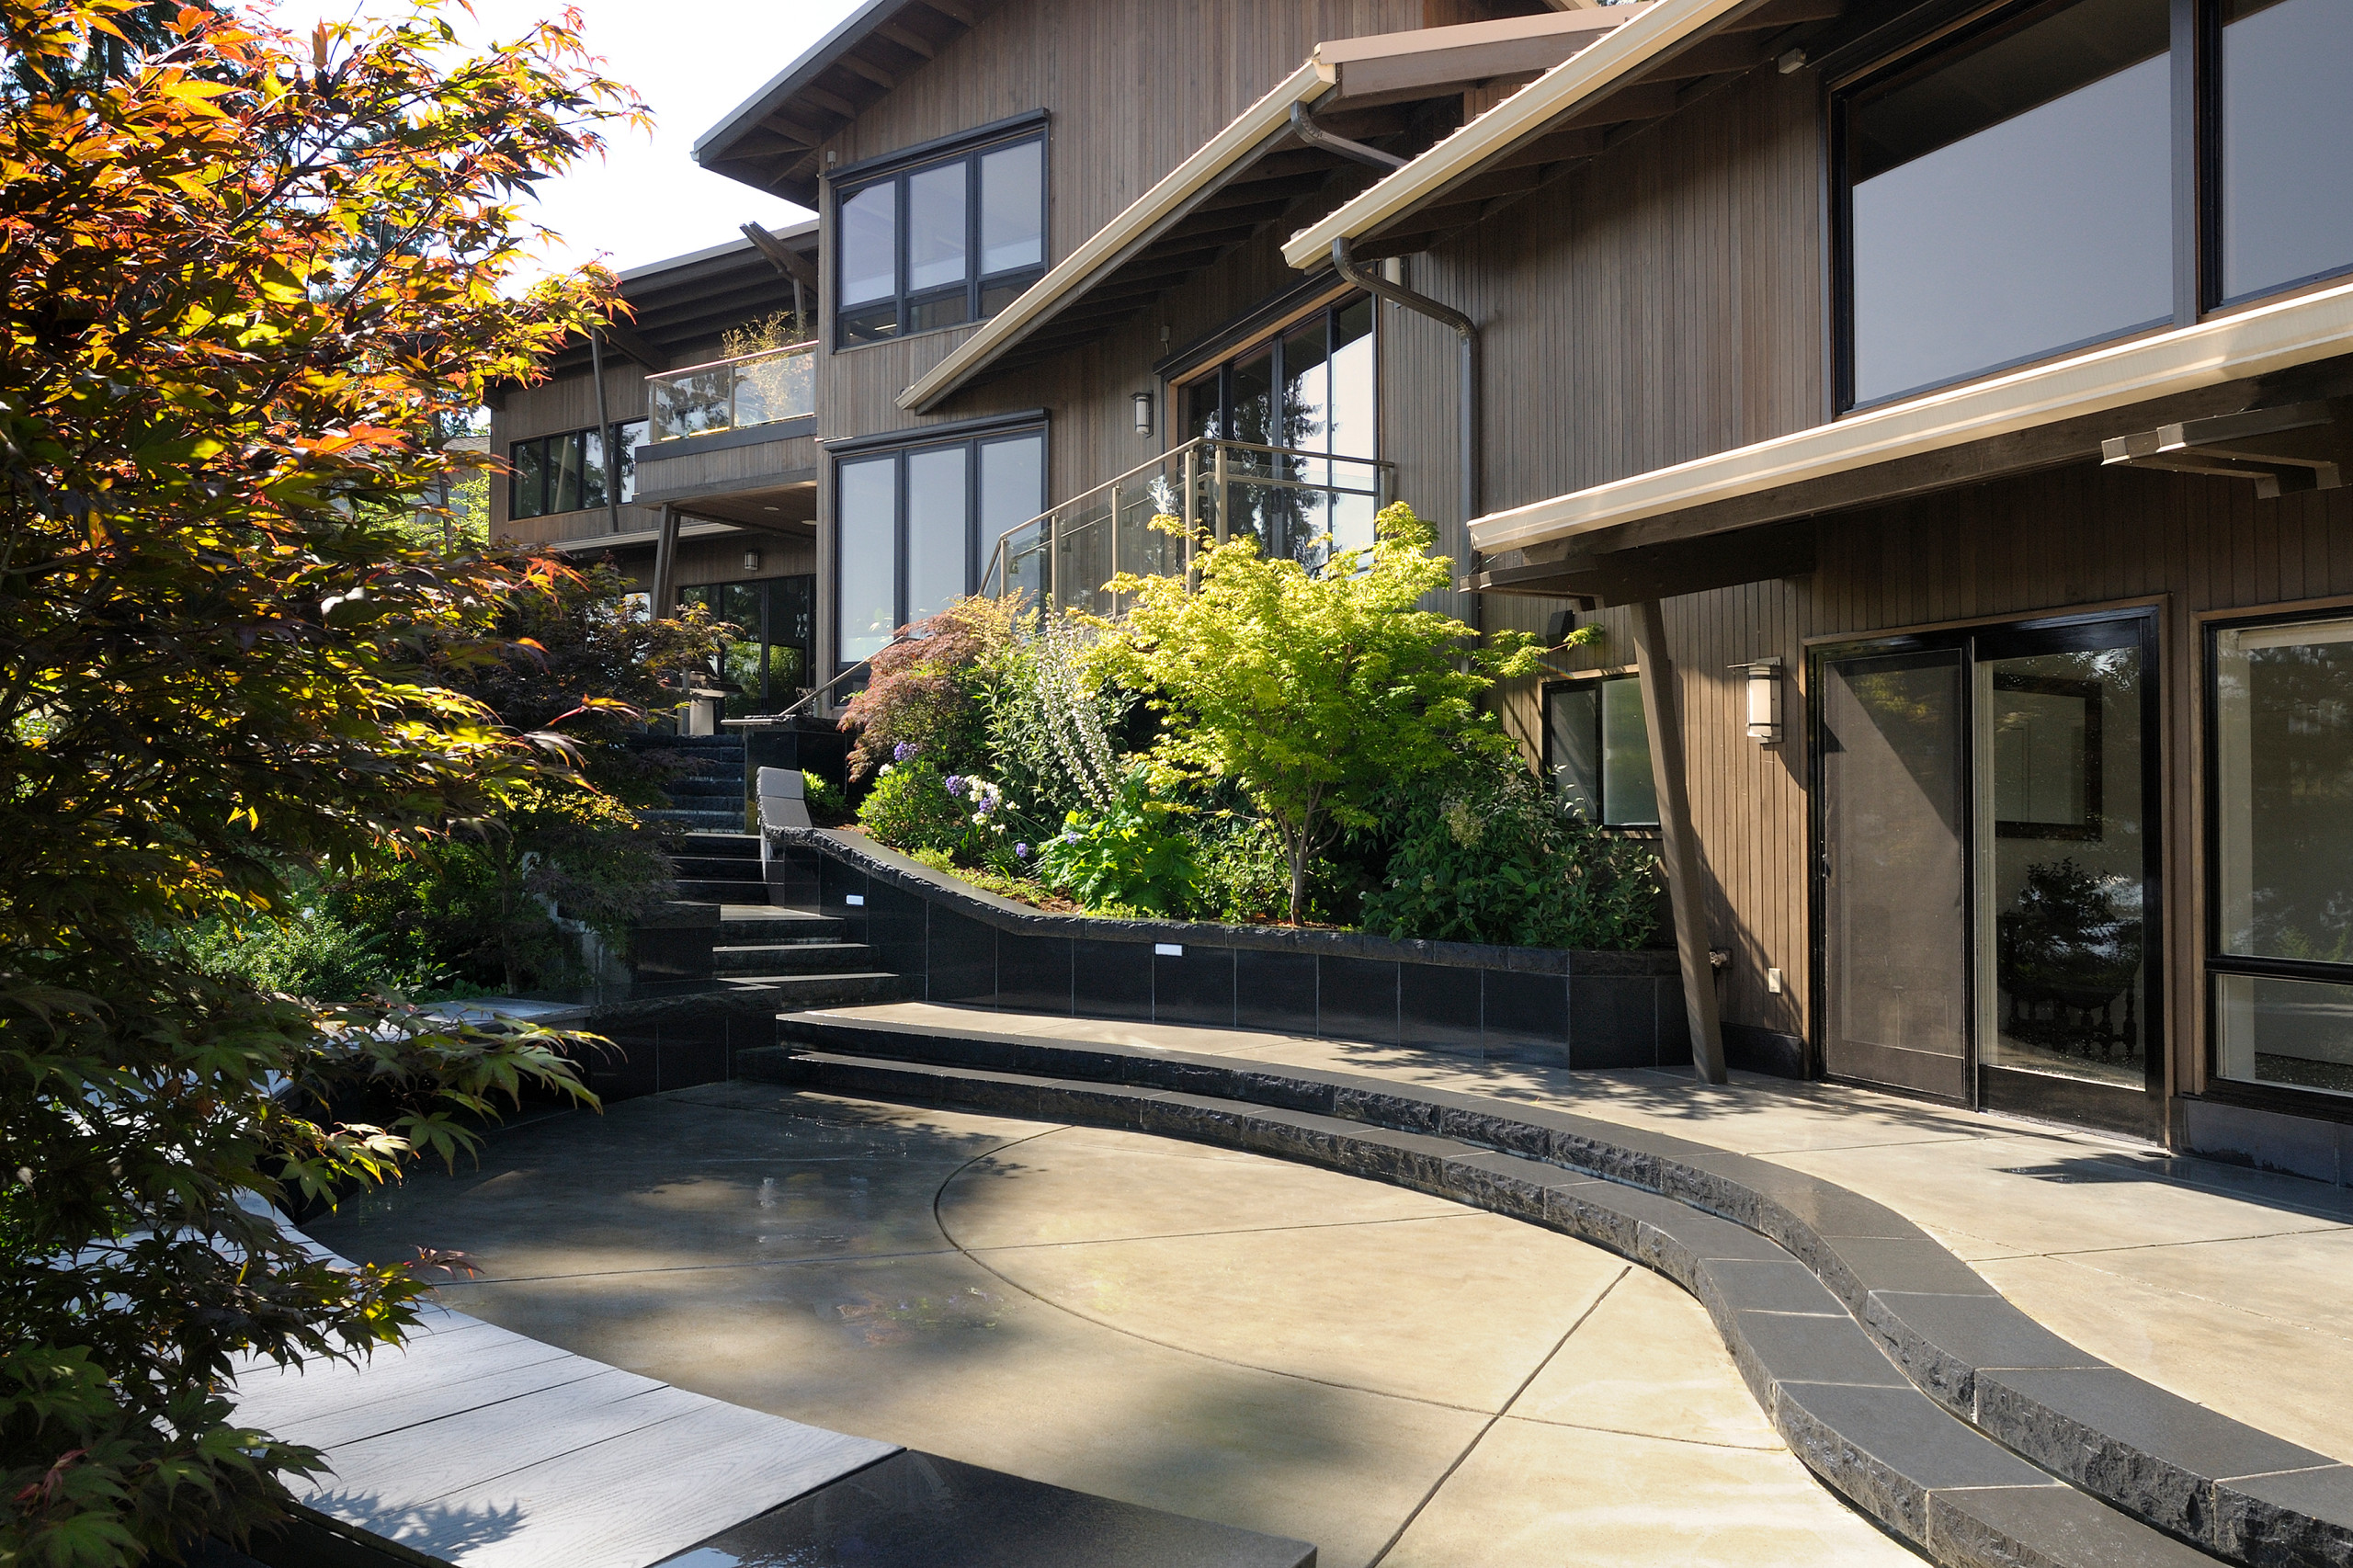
(1217, 488)
(1055, 558)
(1115, 541)
(1192, 516)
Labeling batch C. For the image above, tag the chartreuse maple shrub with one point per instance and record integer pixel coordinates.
(1317, 695)
(246, 277)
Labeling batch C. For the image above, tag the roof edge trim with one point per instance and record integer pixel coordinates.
(1270, 116)
(1586, 75)
(2257, 342)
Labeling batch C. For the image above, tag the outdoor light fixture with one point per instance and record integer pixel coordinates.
(751, 561)
(1764, 700)
(1142, 400)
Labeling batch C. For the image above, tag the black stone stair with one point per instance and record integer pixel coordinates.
(791, 958)
(1891, 1368)
(710, 799)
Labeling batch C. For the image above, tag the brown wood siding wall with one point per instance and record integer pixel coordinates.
(2013, 548)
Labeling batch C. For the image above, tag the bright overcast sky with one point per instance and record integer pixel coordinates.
(691, 61)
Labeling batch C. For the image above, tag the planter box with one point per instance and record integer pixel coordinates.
(954, 943)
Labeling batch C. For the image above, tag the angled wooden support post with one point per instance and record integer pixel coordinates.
(665, 565)
(1662, 714)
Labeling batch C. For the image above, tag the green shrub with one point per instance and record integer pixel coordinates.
(310, 954)
(1130, 856)
(1050, 720)
(909, 808)
(925, 692)
(1493, 857)
(1244, 876)
(826, 806)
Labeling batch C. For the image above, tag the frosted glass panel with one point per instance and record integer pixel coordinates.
(868, 507)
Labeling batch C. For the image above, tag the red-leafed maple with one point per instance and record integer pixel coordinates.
(247, 278)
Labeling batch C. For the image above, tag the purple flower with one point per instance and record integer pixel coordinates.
(1021, 852)
(955, 782)
(905, 751)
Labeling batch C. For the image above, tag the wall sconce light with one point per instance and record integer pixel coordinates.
(1764, 700)
(1142, 400)
(751, 561)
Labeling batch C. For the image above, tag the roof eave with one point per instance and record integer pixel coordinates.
(2253, 342)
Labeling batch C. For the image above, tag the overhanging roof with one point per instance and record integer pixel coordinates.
(770, 142)
(1663, 58)
(1257, 171)
(2028, 418)
(685, 298)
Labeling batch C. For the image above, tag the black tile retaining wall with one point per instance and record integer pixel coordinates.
(951, 942)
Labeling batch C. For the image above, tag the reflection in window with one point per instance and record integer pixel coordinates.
(953, 240)
(918, 523)
(1597, 750)
(2283, 791)
(567, 472)
(2287, 188)
(765, 666)
(1311, 390)
(2012, 199)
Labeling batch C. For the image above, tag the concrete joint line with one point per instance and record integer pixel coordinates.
(1908, 1383)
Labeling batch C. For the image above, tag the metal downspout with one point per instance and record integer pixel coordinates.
(1467, 333)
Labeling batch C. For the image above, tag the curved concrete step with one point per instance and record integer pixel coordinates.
(2237, 1491)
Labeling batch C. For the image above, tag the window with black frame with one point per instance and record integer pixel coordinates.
(1597, 750)
(1310, 388)
(916, 525)
(765, 666)
(2010, 193)
(2281, 754)
(940, 243)
(566, 472)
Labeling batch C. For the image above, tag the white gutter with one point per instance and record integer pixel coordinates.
(1564, 88)
(1108, 246)
(2257, 342)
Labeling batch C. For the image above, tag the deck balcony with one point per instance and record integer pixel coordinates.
(766, 388)
(1306, 505)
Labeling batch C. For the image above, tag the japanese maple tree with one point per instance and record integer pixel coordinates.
(247, 276)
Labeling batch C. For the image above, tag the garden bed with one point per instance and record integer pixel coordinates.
(952, 942)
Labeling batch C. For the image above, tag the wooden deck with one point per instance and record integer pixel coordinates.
(476, 1447)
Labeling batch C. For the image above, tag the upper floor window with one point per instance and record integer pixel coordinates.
(2012, 195)
(939, 243)
(1309, 387)
(567, 473)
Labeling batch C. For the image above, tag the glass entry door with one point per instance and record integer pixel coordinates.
(1987, 871)
(1894, 869)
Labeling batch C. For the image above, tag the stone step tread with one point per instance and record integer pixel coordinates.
(1931, 1323)
(810, 957)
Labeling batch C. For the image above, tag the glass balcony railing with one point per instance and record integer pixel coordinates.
(1306, 505)
(733, 394)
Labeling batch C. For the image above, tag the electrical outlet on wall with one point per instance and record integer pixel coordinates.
(1773, 981)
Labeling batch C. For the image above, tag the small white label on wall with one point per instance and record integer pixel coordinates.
(1773, 981)
(855, 899)
(1169, 949)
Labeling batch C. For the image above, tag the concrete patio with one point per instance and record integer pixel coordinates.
(2228, 1287)
(1396, 1378)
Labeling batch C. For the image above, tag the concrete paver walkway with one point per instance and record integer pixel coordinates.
(2230, 1287)
(1399, 1379)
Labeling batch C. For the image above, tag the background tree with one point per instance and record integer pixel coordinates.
(1315, 694)
(245, 279)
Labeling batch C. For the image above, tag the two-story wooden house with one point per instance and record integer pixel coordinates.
(1940, 403)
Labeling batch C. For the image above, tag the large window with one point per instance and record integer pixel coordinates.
(916, 524)
(939, 243)
(2281, 965)
(2015, 193)
(1597, 750)
(2286, 121)
(1308, 389)
(565, 472)
(765, 666)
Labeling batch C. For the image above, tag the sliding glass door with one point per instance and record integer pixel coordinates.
(1988, 868)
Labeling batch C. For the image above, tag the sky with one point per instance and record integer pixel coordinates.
(692, 61)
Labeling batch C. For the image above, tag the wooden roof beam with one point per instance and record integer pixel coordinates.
(908, 39)
(857, 64)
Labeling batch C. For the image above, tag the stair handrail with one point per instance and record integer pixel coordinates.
(759, 721)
